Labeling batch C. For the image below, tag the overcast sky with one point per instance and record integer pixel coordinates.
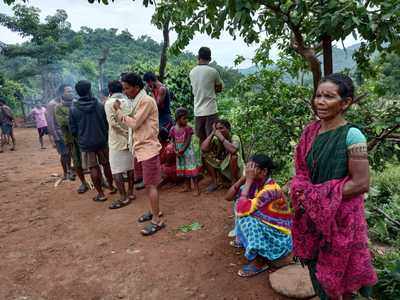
(132, 15)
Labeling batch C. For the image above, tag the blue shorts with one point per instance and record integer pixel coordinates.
(61, 148)
(6, 129)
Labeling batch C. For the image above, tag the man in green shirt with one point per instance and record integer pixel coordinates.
(62, 112)
(223, 154)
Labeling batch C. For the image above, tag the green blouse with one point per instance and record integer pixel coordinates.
(328, 158)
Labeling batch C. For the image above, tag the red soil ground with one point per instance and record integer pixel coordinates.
(56, 244)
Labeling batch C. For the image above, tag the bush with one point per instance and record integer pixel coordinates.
(269, 115)
(388, 269)
(383, 206)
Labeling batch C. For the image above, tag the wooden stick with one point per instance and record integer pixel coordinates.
(395, 222)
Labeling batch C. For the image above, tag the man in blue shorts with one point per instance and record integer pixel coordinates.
(7, 122)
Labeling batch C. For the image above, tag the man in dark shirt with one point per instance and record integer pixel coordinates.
(88, 123)
(163, 98)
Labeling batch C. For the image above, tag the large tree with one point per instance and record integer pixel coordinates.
(48, 43)
(304, 27)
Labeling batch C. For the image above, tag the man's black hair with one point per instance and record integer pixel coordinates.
(181, 112)
(344, 83)
(122, 75)
(83, 88)
(149, 76)
(2, 101)
(61, 88)
(225, 123)
(263, 162)
(205, 53)
(114, 86)
(133, 79)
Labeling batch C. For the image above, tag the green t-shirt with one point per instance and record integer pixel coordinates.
(62, 118)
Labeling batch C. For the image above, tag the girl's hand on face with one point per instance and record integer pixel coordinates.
(251, 171)
(219, 135)
(214, 126)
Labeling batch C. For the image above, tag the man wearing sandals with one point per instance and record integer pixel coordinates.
(62, 113)
(88, 123)
(144, 123)
(121, 159)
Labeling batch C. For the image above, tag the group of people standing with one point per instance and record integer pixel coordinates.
(133, 138)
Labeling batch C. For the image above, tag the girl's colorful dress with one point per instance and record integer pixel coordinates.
(263, 222)
(188, 165)
(330, 233)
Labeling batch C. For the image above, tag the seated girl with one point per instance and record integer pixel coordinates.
(167, 159)
(263, 217)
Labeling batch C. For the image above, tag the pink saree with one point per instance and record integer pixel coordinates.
(328, 228)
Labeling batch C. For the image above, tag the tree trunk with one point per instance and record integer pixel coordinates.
(327, 52)
(165, 46)
(309, 54)
(100, 77)
(102, 61)
(21, 102)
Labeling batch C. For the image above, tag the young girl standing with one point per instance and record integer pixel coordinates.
(188, 159)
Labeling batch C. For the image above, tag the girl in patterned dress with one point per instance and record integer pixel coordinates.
(188, 160)
(263, 218)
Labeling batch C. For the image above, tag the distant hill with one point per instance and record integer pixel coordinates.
(342, 59)
(248, 71)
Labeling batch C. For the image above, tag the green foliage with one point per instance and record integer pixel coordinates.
(48, 40)
(375, 22)
(178, 82)
(122, 50)
(388, 269)
(378, 115)
(384, 75)
(190, 227)
(49, 43)
(11, 91)
(268, 114)
(176, 79)
(383, 205)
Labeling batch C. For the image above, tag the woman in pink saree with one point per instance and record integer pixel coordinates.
(330, 233)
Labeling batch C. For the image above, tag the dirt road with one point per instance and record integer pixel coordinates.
(56, 244)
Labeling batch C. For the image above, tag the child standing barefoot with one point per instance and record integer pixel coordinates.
(187, 163)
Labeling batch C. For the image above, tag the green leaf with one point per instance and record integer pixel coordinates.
(190, 227)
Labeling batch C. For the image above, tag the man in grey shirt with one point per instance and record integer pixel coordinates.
(206, 82)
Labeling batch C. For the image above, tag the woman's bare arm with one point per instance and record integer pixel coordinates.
(230, 195)
(358, 171)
